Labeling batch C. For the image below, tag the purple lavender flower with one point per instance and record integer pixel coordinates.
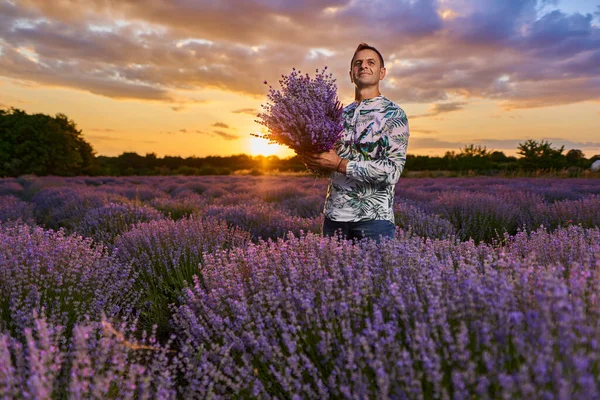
(65, 276)
(99, 361)
(305, 115)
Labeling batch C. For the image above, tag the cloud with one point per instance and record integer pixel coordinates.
(423, 131)
(101, 130)
(444, 108)
(226, 135)
(417, 143)
(518, 52)
(221, 134)
(249, 111)
(103, 138)
(221, 125)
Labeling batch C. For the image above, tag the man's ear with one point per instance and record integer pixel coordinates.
(351, 78)
(382, 73)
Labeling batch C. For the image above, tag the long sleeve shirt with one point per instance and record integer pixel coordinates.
(375, 141)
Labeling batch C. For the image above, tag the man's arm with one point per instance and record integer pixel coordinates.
(385, 170)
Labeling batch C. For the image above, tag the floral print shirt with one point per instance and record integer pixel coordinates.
(374, 140)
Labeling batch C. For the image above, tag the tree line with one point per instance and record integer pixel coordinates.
(43, 145)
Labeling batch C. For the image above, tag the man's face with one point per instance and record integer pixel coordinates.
(366, 69)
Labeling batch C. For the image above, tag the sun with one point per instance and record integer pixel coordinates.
(262, 147)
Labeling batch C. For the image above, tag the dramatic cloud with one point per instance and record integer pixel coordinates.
(220, 125)
(438, 109)
(522, 53)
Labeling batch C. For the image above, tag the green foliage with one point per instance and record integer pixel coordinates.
(42, 145)
(540, 155)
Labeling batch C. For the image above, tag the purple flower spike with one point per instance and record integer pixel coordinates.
(305, 115)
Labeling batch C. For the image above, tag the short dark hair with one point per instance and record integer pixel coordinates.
(364, 46)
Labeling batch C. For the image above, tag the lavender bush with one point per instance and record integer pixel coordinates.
(411, 318)
(98, 362)
(499, 307)
(64, 277)
(66, 206)
(10, 186)
(166, 254)
(263, 220)
(105, 223)
(413, 218)
(179, 207)
(14, 210)
(305, 115)
(565, 212)
(479, 216)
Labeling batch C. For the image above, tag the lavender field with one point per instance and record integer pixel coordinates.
(221, 287)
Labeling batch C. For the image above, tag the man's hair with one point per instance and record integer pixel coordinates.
(364, 46)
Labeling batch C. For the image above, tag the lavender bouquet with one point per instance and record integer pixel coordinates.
(305, 115)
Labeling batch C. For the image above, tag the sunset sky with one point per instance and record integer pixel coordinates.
(185, 77)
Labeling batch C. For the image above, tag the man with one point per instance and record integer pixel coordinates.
(369, 158)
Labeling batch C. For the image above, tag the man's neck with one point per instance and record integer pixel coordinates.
(366, 93)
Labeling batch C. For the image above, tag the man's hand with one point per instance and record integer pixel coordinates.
(328, 160)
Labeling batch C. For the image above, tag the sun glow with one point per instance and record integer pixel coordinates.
(262, 147)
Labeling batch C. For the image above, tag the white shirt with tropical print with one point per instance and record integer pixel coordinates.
(375, 141)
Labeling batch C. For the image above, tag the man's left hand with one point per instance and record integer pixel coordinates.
(326, 160)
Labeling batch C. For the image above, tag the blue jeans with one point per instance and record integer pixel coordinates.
(374, 229)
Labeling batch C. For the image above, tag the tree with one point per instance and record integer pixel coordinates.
(540, 155)
(575, 157)
(474, 157)
(42, 145)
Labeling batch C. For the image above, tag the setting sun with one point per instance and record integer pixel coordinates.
(262, 147)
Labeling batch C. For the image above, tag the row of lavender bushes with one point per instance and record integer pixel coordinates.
(268, 207)
(414, 318)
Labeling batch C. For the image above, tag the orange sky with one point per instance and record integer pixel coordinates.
(185, 78)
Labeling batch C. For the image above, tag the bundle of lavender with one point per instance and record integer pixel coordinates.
(305, 115)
